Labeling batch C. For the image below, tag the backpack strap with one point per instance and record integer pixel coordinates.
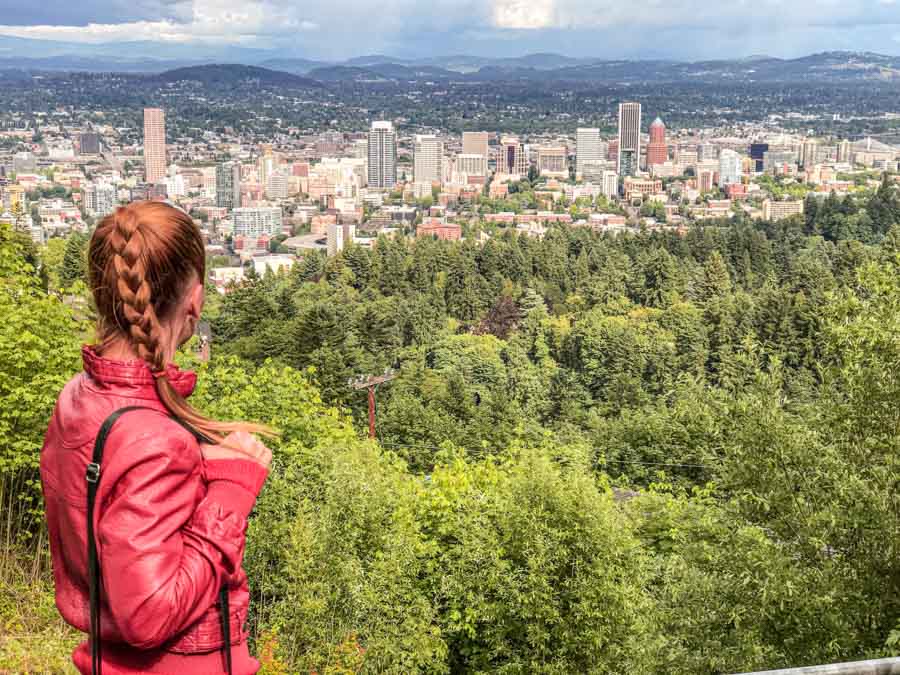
(92, 476)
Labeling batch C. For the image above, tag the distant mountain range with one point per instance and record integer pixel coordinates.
(824, 67)
(164, 59)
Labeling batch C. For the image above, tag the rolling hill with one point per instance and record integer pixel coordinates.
(233, 74)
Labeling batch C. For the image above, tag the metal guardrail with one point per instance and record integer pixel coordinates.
(872, 667)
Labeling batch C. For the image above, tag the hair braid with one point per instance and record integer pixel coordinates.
(133, 288)
(142, 259)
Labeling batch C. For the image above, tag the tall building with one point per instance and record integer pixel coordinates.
(382, 155)
(629, 138)
(265, 163)
(512, 160)
(277, 185)
(706, 152)
(809, 151)
(758, 155)
(256, 221)
(588, 148)
(338, 236)
(843, 151)
(730, 167)
(610, 184)
(100, 199)
(427, 154)
(475, 143)
(154, 144)
(657, 151)
(228, 185)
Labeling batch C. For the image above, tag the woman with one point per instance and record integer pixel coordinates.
(170, 513)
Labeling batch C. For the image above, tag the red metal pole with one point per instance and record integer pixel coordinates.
(372, 412)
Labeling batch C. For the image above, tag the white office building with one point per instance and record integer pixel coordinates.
(427, 154)
(339, 235)
(257, 220)
(730, 167)
(277, 185)
(610, 184)
(100, 199)
(588, 148)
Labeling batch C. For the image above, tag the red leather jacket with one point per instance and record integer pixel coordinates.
(169, 526)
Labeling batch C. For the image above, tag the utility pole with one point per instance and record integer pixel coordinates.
(370, 382)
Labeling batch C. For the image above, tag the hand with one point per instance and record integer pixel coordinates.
(239, 445)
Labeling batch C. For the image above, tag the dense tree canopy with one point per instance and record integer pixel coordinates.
(645, 453)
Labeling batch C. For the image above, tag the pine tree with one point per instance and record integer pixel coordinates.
(530, 301)
(715, 280)
(74, 267)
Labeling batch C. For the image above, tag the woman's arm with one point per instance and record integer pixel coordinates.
(163, 561)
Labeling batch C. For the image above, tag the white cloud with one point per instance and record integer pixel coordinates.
(524, 14)
(777, 14)
(96, 33)
(217, 21)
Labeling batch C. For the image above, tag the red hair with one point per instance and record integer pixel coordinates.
(141, 259)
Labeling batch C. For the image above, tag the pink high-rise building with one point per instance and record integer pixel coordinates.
(657, 153)
(154, 144)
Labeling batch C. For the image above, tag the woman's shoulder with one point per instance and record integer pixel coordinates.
(146, 434)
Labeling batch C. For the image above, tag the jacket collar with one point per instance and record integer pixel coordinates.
(133, 375)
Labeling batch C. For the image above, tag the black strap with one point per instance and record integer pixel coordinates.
(92, 476)
(225, 617)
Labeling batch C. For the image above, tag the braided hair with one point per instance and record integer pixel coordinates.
(129, 249)
(141, 260)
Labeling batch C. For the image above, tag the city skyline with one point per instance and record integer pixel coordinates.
(482, 27)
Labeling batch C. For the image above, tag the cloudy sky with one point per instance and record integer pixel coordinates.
(603, 28)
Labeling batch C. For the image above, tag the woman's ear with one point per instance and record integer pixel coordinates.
(195, 301)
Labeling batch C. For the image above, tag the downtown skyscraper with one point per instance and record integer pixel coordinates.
(382, 155)
(657, 151)
(427, 155)
(730, 167)
(228, 185)
(154, 144)
(589, 149)
(629, 138)
(512, 160)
